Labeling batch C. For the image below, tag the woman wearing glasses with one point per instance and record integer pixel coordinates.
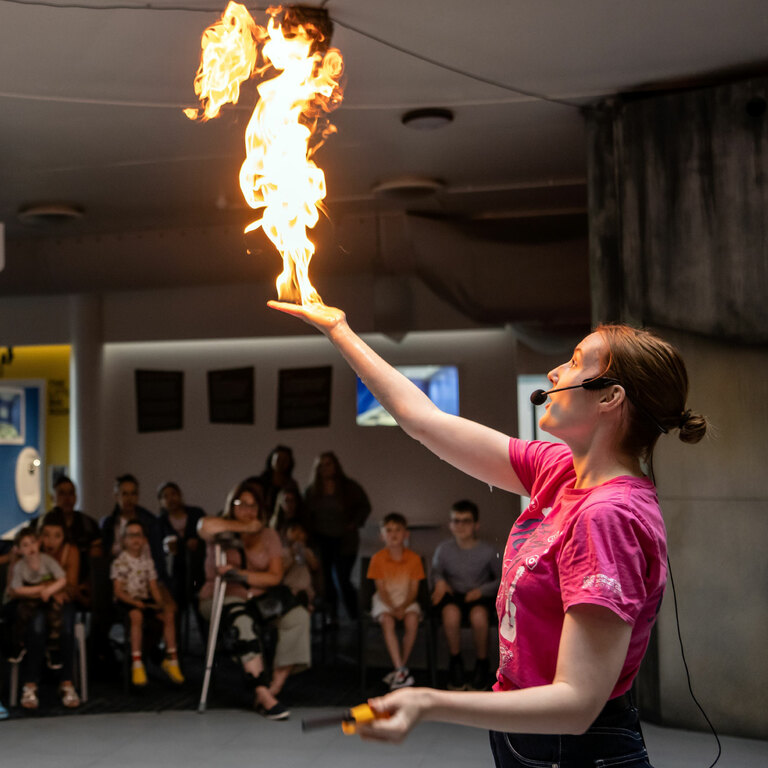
(253, 566)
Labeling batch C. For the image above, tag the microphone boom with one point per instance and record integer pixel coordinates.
(539, 397)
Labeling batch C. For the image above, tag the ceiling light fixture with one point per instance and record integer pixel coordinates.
(428, 119)
(49, 213)
(407, 188)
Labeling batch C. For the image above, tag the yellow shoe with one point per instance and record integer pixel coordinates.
(171, 668)
(139, 675)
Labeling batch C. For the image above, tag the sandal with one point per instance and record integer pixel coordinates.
(29, 698)
(69, 697)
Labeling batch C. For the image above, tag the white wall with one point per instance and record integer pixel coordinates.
(398, 474)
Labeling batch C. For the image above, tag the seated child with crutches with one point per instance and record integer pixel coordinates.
(136, 591)
(397, 571)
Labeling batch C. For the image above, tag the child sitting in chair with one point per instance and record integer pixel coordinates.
(136, 591)
(36, 579)
(397, 571)
(466, 573)
(300, 563)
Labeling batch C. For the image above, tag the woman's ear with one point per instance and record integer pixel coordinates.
(612, 397)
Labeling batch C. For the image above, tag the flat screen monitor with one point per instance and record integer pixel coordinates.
(439, 382)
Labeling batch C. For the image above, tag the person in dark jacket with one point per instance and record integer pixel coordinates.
(126, 509)
(336, 507)
(181, 542)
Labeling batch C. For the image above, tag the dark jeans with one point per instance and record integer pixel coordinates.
(41, 625)
(335, 561)
(612, 740)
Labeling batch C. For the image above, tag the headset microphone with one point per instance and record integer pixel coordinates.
(539, 397)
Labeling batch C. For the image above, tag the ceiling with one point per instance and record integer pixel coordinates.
(91, 104)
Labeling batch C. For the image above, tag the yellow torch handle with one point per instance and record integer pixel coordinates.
(362, 713)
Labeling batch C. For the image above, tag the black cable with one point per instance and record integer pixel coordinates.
(456, 70)
(685, 664)
(117, 6)
(349, 27)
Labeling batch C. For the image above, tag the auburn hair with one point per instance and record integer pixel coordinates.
(655, 380)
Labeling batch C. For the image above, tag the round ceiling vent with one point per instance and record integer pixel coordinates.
(407, 188)
(49, 213)
(428, 119)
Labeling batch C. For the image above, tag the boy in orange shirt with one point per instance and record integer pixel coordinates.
(397, 571)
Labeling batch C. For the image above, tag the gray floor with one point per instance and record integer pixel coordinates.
(221, 738)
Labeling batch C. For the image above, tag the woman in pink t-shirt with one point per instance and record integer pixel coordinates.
(585, 564)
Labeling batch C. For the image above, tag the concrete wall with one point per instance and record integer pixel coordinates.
(677, 207)
(715, 501)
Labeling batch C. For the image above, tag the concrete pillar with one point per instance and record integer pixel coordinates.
(85, 439)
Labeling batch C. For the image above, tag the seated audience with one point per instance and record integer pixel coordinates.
(82, 530)
(178, 527)
(288, 509)
(253, 572)
(5, 557)
(136, 591)
(37, 624)
(54, 543)
(465, 575)
(397, 572)
(300, 564)
(126, 509)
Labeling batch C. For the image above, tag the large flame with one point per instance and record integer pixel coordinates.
(286, 128)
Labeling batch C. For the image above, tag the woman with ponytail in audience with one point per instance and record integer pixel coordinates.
(585, 564)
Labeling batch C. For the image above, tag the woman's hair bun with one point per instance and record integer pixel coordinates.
(693, 427)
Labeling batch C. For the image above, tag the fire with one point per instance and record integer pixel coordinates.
(287, 127)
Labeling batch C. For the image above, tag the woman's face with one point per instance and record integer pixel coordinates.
(281, 461)
(573, 413)
(246, 508)
(326, 467)
(51, 538)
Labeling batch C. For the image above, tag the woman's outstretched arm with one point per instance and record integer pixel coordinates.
(593, 647)
(479, 451)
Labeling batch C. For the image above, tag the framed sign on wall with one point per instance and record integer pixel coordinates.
(304, 397)
(159, 400)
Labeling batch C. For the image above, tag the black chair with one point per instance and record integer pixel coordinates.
(365, 622)
(436, 621)
(324, 630)
(187, 601)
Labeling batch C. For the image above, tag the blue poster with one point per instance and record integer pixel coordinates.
(22, 425)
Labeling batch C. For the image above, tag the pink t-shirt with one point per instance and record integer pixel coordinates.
(604, 545)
